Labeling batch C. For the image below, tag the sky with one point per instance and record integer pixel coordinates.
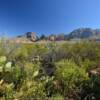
(47, 16)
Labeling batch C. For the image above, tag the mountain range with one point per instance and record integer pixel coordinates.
(84, 33)
(80, 33)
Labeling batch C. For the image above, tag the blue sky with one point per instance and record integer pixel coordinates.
(47, 16)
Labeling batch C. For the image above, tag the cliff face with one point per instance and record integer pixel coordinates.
(31, 36)
(28, 37)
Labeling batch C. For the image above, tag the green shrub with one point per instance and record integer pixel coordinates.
(70, 75)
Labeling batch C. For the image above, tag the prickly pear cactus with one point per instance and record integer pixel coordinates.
(4, 65)
(3, 59)
(8, 67)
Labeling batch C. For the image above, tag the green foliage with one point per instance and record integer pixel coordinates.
(4, 65)
(62, 71)
(70, 75)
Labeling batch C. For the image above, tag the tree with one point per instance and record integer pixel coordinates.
(42, 37)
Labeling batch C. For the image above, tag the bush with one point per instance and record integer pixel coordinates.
(71, 76)
(61, 72)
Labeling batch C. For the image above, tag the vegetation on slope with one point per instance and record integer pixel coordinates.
(50, 71)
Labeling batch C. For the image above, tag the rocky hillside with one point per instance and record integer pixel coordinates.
(84, 33)
(80, 33)
(28, 37)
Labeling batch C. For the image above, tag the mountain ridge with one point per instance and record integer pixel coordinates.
(84, 33)
(79, 33)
